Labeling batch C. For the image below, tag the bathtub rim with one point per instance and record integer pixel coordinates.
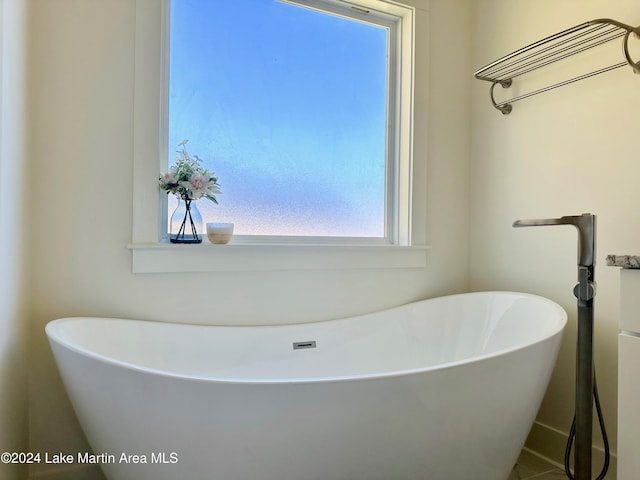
(53, 337)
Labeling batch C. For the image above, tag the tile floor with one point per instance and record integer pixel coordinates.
(532, 467)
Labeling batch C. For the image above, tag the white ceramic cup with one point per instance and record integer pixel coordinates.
(219, 233)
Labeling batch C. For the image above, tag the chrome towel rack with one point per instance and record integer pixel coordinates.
(555, 48)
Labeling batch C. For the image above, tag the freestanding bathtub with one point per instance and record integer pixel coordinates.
(441, 389)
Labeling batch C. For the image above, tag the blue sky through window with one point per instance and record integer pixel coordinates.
(287, 106)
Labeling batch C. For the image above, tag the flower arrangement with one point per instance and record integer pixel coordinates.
(188, 180)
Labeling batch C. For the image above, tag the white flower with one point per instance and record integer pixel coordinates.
(200, 185)
(170, 177)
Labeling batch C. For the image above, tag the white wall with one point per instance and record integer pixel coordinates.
(81, 134)
(14, 198)
(569, 151)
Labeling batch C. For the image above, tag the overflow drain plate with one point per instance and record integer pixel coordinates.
(304, 345)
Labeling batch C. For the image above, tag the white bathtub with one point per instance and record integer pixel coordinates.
(442, 389)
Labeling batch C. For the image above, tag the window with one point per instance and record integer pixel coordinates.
(297, 108)
(403, 244)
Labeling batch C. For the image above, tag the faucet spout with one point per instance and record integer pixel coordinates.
(586, 225)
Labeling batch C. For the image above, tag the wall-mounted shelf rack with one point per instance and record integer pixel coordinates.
(555, 48)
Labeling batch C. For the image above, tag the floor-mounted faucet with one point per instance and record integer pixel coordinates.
(584, 291)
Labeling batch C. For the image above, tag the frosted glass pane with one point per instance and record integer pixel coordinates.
(288, 106)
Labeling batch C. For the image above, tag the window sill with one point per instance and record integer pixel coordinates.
(206, 257)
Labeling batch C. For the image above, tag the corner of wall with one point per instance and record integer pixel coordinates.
(13, 318)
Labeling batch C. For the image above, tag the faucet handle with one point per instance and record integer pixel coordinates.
(585, 290)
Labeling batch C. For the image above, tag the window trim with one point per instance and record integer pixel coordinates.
(148, 145)
(206, 257)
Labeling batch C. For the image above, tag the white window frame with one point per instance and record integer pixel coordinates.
(152, 254)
